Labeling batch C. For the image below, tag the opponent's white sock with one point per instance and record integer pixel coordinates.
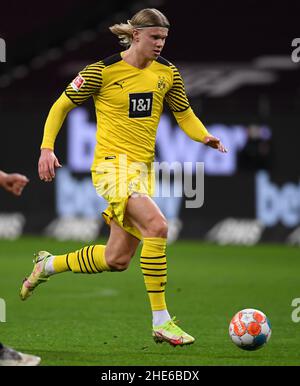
(160, 317)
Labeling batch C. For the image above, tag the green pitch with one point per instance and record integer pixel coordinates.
(105, 319)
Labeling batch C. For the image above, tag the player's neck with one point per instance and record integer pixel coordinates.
(136, 59)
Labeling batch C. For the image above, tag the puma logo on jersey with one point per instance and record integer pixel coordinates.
(120, 84)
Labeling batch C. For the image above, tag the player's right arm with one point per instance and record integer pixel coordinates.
(57, 114)
(87, 83)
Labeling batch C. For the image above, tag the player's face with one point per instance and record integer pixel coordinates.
(151, 41)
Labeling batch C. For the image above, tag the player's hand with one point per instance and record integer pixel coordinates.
(14, 183)
(47, 165)
(215, 143)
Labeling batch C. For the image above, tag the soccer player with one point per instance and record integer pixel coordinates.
(128, 89)
(15, 183)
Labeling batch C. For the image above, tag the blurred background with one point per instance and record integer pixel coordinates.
(241, 68)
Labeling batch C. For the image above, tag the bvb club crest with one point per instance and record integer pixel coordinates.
(161, 84)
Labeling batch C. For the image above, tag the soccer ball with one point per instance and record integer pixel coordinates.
(250, 329)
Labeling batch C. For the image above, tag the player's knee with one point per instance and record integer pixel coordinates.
(158, 227)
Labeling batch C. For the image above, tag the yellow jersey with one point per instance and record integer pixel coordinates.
(128, 103)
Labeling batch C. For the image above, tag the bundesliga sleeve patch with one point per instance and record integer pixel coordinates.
(77, 83)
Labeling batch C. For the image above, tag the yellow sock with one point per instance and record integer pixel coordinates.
(89, 259)
(154, 268)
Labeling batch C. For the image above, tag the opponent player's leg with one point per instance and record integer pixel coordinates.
(115, 256)
(145, 215)
(11, 357)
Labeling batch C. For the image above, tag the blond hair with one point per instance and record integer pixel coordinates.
(148, 17)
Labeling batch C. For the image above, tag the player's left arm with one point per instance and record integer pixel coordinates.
(187, 120)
